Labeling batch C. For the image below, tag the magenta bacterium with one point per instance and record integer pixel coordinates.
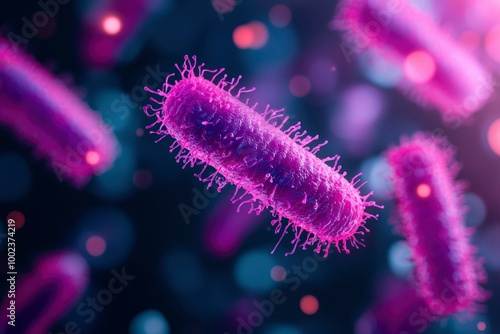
(270, 167)
(409, 39)
(431, 210)
(43, 296)
(42, 111)
(109, 26)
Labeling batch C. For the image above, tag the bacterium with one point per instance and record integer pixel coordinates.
(43, 296)
(431, 210)
(408, 38)
(47, 115)
(272, 168)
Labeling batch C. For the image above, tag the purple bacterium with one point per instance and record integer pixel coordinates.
(431, 209)
(109, 26)
(273, 168)
(43, 296)
(407, 37)
(47, 115)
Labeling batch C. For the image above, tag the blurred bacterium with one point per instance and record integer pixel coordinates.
(43, 296)
(42, 111)
(273, 167)
(431, 209)
(437, 70)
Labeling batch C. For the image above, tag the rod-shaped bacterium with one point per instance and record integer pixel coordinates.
(436, 68)
(43, 296)
(431, 211)
(42, 111)
(272, 167)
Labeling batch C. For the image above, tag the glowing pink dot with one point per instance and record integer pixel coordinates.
(139, 132)
(423, 190)
(253, 35)
(18, 218)
(111, 25)
(300, 86)
(419, 67)
(95, 245)
(92, 158)
(492, 43)
(481, 326)
(494, 136)
(309, 304)
(280, 16)
(278, 273)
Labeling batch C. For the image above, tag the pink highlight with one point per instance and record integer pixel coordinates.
(95, 245)
(432, 220)
(109, 26)
(47, 293)
(42, 111)
(275, 168)
(405, 36)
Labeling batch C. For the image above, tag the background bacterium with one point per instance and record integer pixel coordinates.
(411, 41)
(431, 210)
(40, 110)
(47, 293)
(274, 168)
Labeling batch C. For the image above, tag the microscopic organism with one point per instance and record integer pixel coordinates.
(272, 165)
(46, 114)
(431, 210)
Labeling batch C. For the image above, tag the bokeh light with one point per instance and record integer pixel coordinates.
(300, 86)
(253, 35)
(252, 271)
(278, 273)
(494, 136)
(423, 190)
(399, 258)
(309, 304)
(419, 67)
(280, 15)
(149, 322)
(111, 25)
(92, 158)
(18, 217)
(95, 245)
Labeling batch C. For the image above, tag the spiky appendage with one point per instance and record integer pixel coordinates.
(431, 209)
(270, 167)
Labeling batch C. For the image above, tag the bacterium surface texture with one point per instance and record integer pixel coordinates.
(431, 210)
(271, 164)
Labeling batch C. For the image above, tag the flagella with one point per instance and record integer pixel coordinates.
(271, 164)
(431, 210)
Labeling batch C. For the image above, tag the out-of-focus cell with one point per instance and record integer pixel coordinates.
(410, 39)
(44, 295)
(355, 121)
(378, 70)
(470, 39)
(95, 245)
(278, 273)
(42, 111)
(15, 177)
(226, 229)
(149, 322)
(492, 43)
(280, 15)
(476, 212)
(377, 173)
